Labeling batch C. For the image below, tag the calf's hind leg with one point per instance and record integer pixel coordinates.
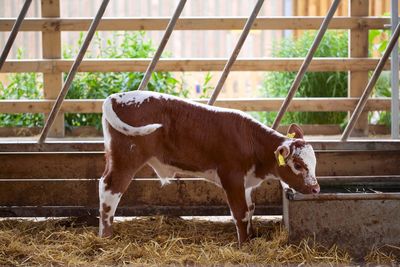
(251, 207)
(235, 193)
(114, 182)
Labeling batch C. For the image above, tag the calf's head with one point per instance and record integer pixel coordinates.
(296, 162)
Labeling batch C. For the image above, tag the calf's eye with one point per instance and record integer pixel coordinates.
(298, 167)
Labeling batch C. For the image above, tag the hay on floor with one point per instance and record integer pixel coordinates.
(158, 240)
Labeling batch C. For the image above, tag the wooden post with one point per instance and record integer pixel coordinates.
(51, 49)
(358, 48)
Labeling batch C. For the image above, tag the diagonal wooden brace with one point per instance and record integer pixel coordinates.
(72, 72)
(364, 98)
(162, 45)
(235, 53)
(14, 32)
(296, 83)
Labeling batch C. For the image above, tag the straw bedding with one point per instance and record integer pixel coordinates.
(159, 240)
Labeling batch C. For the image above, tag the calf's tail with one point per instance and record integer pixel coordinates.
(112, 118)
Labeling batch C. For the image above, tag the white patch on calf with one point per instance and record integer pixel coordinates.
(106, 134)
(251, 180)
(235, 222)
(165, 171)
(108, 199)
(247, 218)
(271, 177)
(249, 201)
(131, 147)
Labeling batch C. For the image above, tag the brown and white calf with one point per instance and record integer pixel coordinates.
(225, 146)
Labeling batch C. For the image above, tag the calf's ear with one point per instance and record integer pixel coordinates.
(295, 131)
(281, 154)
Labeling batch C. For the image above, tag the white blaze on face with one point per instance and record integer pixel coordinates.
(307, 155)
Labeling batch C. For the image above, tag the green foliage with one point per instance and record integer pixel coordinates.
(206, 88)
(92, 85)
(314, 84)
(382, 89)
(381, 36)
(22, 86)
(378, 41)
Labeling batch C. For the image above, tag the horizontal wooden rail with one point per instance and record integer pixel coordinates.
(13, 146)
(259, 104)
(90, 165)
(192, 64)
(194, 23)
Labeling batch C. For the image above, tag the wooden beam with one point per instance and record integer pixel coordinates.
(192, 64)
(259, 104)
(183, 193)
(194, 23)
(20, 146)
(90, 165)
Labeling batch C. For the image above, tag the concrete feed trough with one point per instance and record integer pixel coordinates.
(355, 214)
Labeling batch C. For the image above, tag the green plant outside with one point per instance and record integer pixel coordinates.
(321, 84)
(378, 41)
(91, 85)
(22, 86)
(314, 84)
(95, 85)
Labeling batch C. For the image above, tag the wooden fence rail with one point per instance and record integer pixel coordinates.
(260, 104)
(191, 23)
(192, 64)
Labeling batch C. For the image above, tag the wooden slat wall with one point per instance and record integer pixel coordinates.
(70, 180)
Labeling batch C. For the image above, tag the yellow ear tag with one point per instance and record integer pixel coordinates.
(291, 135)
(281, 160)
